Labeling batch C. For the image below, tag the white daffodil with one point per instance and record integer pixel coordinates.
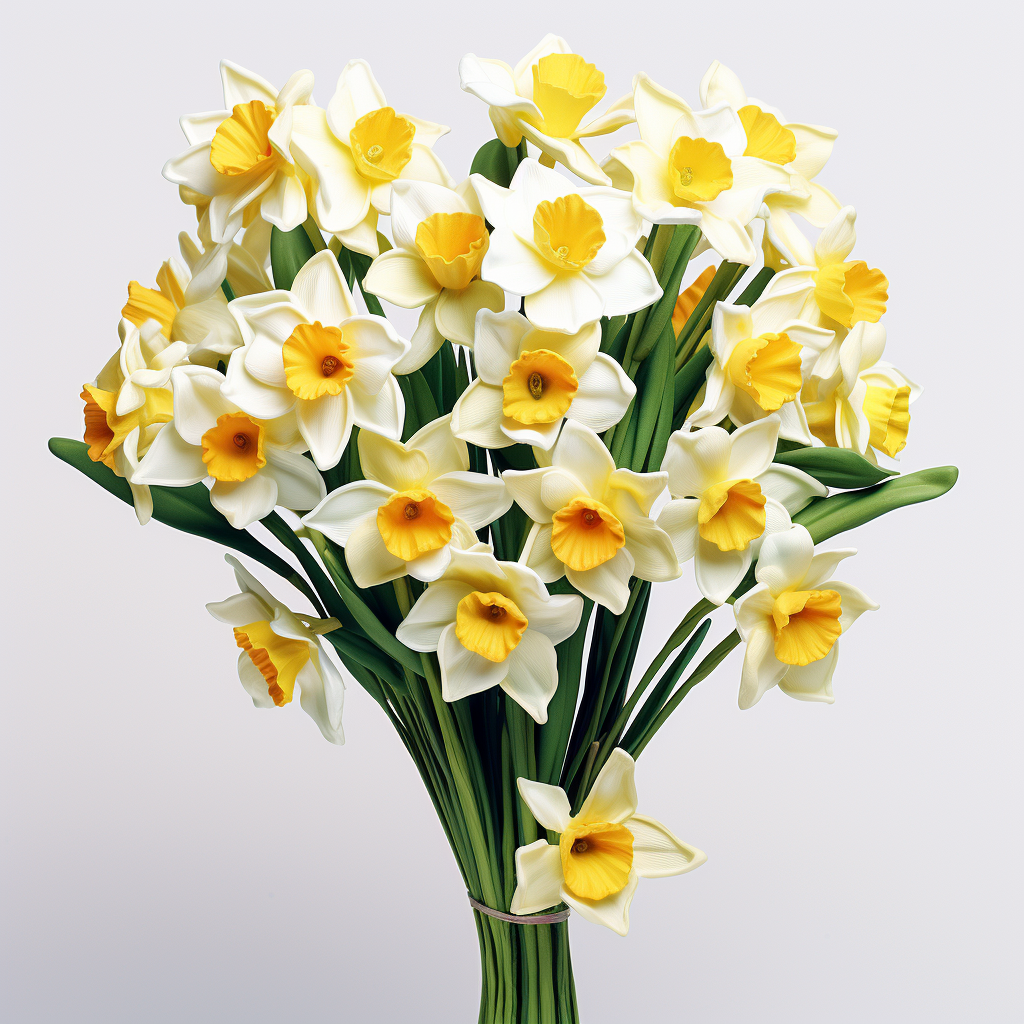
(571, 252)
(240, 157)
(865, 404)
(417, 501)
(689, 167)
(254, 464)
(313, 352)
(802, 149)
(355, 149)
(281, 650)
(493, 624)
(528, 381)
(760, 357)
(592, 522)
(440, 241)
(727, 495)
(792, 620)
(544, 99)
(601, 853)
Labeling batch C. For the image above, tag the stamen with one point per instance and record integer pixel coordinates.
(329, 365)
(589, 516)
(536, 385)
(241, 441)
(496, 611)
(412, 510)
(374, 153)
(686, 176)
(580, 846)
(563, 251)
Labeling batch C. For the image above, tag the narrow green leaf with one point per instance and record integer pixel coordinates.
(289, 251)
(420, 405)
(835, 467)
(492, 161)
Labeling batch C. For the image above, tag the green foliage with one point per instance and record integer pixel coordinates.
(835, 467)
(289, 251)
(496, 162)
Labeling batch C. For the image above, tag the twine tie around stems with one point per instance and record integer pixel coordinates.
(557, 918)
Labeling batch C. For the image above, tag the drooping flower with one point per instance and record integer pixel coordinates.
(240, 157)
(570, 252)
(418, 501)
(440, 241)
(865, 403)
(792, 620)
(312, 352)
(592, 522)
(545, 99)
(601, 853)
(254, 464)
(281, 650)
(493, 624)
(690, 167)
(528, 381)
(761, 355)
(803, 149)
(355, 149)
(728, 495)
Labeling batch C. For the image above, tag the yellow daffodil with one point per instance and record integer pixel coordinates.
(601, 853)
(417, 501)
(280, 651)
(545, 99)
(355, 149)
(440, 241)
(792, 620)
(493, 624)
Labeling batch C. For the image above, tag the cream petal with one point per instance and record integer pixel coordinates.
(474, 497)
(612, 797)
(326, 425)
(823, 565)
(567, 303)
(322, 695)
(791, 487)
(557, 618)
(422, 627)
(476, 416)
(455, 312)
(854, 602)
(299, 486)
(612, 911)
(537, 435)
(761, 669)
(376, 347)
(582, 453)
(696, 460)
(515, 266)
(242, 86)
(398, 466)
(368, 559)
(284, 203)
(343, 509)
(362, 237)
(425, 341)
(430, 566)
(253, 682)
(837, 238)
(242, 504)
(498, 342)
(538, 877)
(657, 112)
(557, 489)
(532, 676)
(630, 285)
(812, 682)
(718, 572)
(444, 451)
(785, 559)
(657, 853)
(654, 557)
(752, 448)
(412, 202)
(198, 402)
(537, 554)
(403, 278)
(239, 610)
(465, 672)
(752, 610)
(720, 85)
(679, 520)
(170, 461)
(321, 291)
(606, 584)
(271, 322)
(383, 412)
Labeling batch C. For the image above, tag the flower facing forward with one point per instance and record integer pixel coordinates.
(728, 494)
(601, 853)
(253, 464)
(240, 157)
(689, 167)
(529, 380)
(865, 404)
(280, 651)
(418, 499)
(493, 624)
(570, 252)
(312, 351)
(355, 149)
(545, 99)
(802, 149)
(592, 521)
(440, 241)
(758, 366)
(792, 620)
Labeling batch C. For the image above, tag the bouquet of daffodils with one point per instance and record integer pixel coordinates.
(475, 509)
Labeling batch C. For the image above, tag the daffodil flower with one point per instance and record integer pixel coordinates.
(792, 620)
(570, 252)
(528, 381)
(241, 158)
(802, 149)
(493, 624)
(312, 352)
(417, 501)
(281, 650)
(592, 522)
(253, 464)
(727, 496)
(440, 241)
(601, 853)
(690, 167)
(355, 149)
(545, 99)
(865, 403)
(760, 356)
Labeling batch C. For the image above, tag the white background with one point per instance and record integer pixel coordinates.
(171, 854)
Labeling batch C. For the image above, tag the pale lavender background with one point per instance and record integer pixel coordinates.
(170, 854)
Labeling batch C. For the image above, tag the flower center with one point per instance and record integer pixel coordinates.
(242, 141)
(568, 231)
(850, 292)
(489, 624)
(565, 87)
(585, 533)
(698, 170)
(278, 658)
(596, 858)
(731, 514)
(381, 144)
(806, 624)
(233, 449)
(453, 245)
(411, 523)
(766, 138)
(767, 368)
(539, 388)
(317, 361)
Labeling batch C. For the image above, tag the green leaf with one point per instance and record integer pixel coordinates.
(835, 467)
(289, 251)
(420, 406)
(492, 161)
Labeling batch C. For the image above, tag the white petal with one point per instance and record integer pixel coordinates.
(422, 627)
(657, 112)
(242, 504)
(343, 509)
(657, 853)
(239, 610)
(171, 461)
(514, 265)
(464, 672)
(823, 565)
(299, 485)
(444, 451)
(403, 278)
(582, 453)
(368, 558)
(326, 425)
(198, 402)
(566, 304)
(431, 566)
(607, 583)
(398, 466)
(761, 669)
(628, 286)
(612, 911)
(752, 449)
(718, 572)
(425, 341)
(322, 696)
(498, 339)
(455, 313)
(383, 412)
(785, 559)
(412, 202)
(537, 554)
(532, 676)
(557, 618)
(854, 602)
(477, 417)
(321, 290)
(477, 498)
(696, 460)
(679, 520)
(612, 797)
(538, 878)
(789, 486)
(812, 682)
(837, 238)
